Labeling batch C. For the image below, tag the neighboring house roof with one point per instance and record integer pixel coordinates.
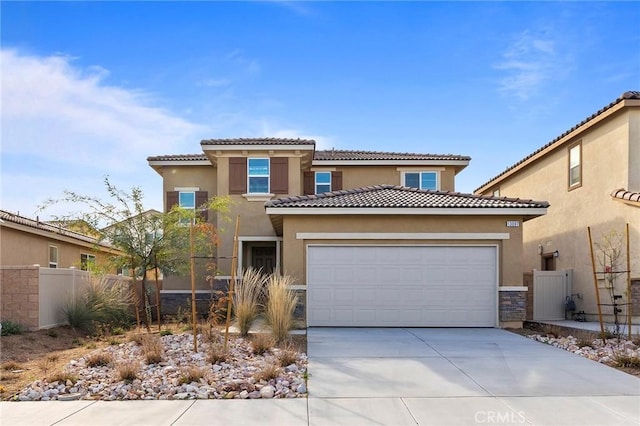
(179, 157)
(629, 197)
(622, 99)
(43, 228)
(398, 198)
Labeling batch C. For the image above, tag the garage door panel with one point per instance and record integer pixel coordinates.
(402, 286)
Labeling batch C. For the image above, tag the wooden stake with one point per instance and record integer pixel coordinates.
(158, 300)
(629, 299)
(193, 288)
(232, 282)
(595, 283)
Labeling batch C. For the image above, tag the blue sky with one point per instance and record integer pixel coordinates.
(93, 89)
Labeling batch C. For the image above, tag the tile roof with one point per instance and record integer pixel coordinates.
(625, 195)
(624, 96)
(258, 141)
(336, 154)
(178, 157)
(44, 226)
(390, 196)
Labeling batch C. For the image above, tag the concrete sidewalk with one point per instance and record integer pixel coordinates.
(396, 377)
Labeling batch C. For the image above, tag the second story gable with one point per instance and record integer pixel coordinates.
(266, 168)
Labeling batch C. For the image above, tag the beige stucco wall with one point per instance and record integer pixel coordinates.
(510, 251)
(23, 248)
(605, 150)
(203, 177)
(361, 176)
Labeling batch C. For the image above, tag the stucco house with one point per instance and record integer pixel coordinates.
(591, 177)
(27, 241)
(372, 238)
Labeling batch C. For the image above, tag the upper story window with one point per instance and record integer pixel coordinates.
(421, 180)
(575, 166)
(258, 175)
(86, 261)
(496, 192)
(53, 257)
(322, 182)
(187, 199)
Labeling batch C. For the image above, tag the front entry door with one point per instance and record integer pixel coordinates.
(264, 258)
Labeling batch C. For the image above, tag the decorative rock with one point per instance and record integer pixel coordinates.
(244, 394)
(302, 388)
(291, 368)
(69, 397)
(254, 395)
(181, 395)
(267, 392)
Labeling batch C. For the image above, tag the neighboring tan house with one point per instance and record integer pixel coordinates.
(25, 241)
(591, 177)
(372, 238)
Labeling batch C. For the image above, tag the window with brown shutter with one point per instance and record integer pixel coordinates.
(201, 198)
(172, 199)
(237, 175)
(279, 175)
(309, 183)
(336, 181)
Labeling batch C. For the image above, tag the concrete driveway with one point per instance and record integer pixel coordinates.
(459, 376)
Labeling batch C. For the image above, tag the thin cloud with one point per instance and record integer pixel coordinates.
(214, 82)
(53, 109)
(530, 61)
(322, 142)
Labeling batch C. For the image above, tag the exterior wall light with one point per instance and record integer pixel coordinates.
(556, 253)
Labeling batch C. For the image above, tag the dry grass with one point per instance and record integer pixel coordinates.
(11, 365)
(270, 372)
(152, 348)
(137, 338)
(627, 361)
(99, 359)
(553, 330)
(261, 343)
(246, 299)
(584, 340)
(191, 374)
(62, 377)
(281, 303)
(128, 371)
(287, 357)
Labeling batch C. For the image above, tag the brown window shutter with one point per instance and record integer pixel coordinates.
(201, 198)
(237, 175)
(336, 181)
(309, 183)
(280, 175)
(172, 199)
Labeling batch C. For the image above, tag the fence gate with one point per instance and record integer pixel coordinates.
(550, 291)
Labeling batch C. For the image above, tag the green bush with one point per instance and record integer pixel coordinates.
(281, 303)
(103, 304)
(166, 333)
(10, 327)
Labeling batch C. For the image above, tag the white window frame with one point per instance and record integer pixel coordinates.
(249, 175)
(577, 147)
(90, 258)
(420, 172)
(316, 183)
(53, 264)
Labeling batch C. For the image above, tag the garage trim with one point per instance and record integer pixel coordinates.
(496, 285)
(401, 236)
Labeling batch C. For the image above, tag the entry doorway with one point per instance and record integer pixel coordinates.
(264, 258)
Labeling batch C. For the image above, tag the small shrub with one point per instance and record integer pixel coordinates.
(10, 327)
(137, 338)
(79, 315)
(166, 333)
(261, 343)
(77, 342)
(552, 330)
(216, 353)
(270, 372)
(90, 345)
(128, 371)
(114, 342)
(191, 374)
(608, 334)
(628, 361)
(287, 357)
(11, 365)
(281, 303)
(246, 299)
(99, 359)
(117, 331)
(62, 377)
(584, 340)
(152, 348)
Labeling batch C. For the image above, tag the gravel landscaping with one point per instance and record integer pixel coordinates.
(180, 374)
(611, 353)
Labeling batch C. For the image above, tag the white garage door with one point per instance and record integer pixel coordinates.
(401, 286)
